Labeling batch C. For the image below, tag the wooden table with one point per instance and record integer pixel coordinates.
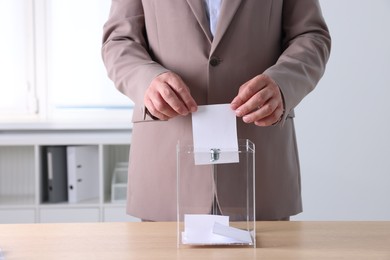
(115, 241)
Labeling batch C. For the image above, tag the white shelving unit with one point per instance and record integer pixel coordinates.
(21, 195)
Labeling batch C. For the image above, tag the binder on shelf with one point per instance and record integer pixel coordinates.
(57, 174)
(83, 177)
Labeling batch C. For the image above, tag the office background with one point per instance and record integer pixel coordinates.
(343, 127)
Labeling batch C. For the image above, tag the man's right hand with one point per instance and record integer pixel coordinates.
(168, 96)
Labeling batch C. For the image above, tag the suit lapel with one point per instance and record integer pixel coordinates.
(227, 12)
(198, 8)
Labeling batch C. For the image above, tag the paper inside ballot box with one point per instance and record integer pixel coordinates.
(203, 229)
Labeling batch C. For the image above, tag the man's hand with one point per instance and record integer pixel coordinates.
(168, 96)
(259, 101)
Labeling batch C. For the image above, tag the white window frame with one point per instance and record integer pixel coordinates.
(40, 108)
(31, 106)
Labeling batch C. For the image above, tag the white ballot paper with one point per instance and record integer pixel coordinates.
(215, 135)
(212, 230)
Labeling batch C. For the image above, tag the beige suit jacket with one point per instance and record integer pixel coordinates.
(285, 39)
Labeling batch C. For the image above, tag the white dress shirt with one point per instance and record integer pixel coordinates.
(212, 9)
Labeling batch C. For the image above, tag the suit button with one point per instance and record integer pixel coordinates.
(214, 61)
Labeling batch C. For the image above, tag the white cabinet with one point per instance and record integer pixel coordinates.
(117, 214)
(66, 215)
(18, 215)
(22, 176)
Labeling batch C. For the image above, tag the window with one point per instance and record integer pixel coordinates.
(53, 64)
(17, 93)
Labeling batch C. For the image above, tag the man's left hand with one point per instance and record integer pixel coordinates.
(259, 101)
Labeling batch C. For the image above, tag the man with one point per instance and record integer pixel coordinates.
(263, 57)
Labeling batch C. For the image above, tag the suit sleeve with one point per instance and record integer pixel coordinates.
(306, 49)
(125, 52)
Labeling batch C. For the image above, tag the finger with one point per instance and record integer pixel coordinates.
(241, 96)
(247, 90)
(183, 93)
(156, 104)
(158, 111)
(266, 110)
(271, 119)
(171, 101)
(257, 101)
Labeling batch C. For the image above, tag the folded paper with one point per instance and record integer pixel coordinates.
(202, 229)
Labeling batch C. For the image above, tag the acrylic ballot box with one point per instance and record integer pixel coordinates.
(216, 196)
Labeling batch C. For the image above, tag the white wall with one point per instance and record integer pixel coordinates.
(343, 127)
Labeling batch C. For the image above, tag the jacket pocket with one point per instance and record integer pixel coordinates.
(141, 114)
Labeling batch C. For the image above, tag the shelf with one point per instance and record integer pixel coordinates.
(23, 170)
(107, 202)
(86, 203)
(70, 124)
(63, 137)
(7, 201)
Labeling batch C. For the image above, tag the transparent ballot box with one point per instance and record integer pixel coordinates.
(216, 196)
